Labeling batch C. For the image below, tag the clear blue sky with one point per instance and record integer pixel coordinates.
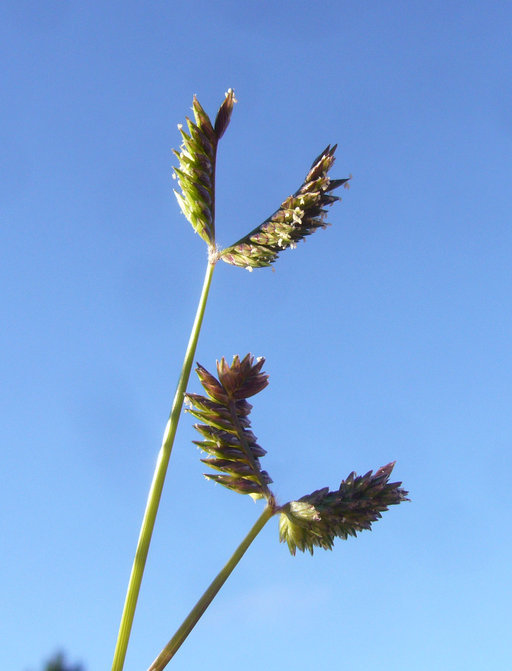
(388, 336)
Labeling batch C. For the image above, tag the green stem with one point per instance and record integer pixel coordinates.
(192, 618)
(155, 492)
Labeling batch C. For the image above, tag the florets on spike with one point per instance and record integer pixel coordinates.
(318, 518)
(226, 432)
(196, 172)
(299, 215)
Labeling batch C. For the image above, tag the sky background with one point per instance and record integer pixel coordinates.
(386, 337)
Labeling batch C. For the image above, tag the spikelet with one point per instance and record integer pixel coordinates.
(196, 172)
(226, 432)
(299, 215)
(318, 518)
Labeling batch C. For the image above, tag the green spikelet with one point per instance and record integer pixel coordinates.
(196, 172)
(320, 517)
(299, 215)
(226, 432)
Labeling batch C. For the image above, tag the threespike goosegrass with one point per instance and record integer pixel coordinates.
(313, 520)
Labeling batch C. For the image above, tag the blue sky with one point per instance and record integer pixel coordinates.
(387, 337)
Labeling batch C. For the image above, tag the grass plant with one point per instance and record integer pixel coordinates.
(314, 520)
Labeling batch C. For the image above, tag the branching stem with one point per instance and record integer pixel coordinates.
(155, 491)
(195, 614)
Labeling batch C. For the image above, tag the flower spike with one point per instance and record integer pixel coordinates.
(320, 517)
(196, 172)
(299, 215)
(226, 433)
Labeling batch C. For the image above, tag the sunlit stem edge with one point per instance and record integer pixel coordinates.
(157, 484)
(195, 614)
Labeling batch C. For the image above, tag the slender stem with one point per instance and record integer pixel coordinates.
(155, 491)
(195, 614)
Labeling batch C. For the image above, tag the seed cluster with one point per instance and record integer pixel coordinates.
(196, 174)
(298, 216)
(318, 518)
(227, 435)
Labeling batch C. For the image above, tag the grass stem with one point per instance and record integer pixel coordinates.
(157, 484)
(195, 614)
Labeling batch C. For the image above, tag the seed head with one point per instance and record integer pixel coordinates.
(299, 215)
(226, 433)
(318, 518)
(196, 172)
